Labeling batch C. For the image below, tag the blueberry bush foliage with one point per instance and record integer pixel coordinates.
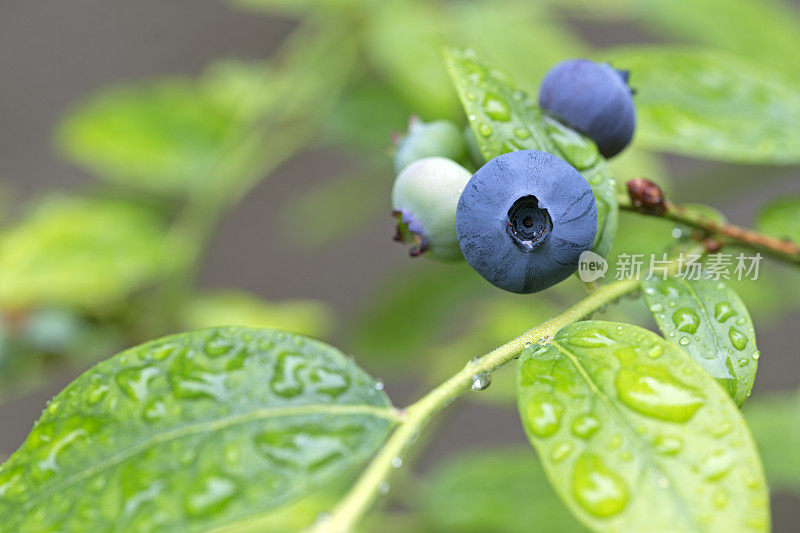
(259, 427)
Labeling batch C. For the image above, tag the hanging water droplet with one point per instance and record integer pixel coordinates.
(397, 462)
(756, 354)
(481, 381)
(378, 384)
(676, 233)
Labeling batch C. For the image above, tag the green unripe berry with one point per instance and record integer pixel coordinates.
(424, 197)
(439, 138)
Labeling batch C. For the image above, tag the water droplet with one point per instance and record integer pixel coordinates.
(597, 489)
(667, 444)
(656, 308)
(663, 483)
(522, 133)
(217, 345)
(496, 107)
(686, 320)
(134, 382)
(383, 488)
(561, 451)
(485, 130)
(543, 417)
(154, 410)
(741, 321)
(723, 311)
(744, 361)
(654, 352)
(286, 380)
(585, 425)
(591, 338)
(210, 495)
(397, 462)
(717, 464)
(96, 393)
(481, 381)
(738, 339)
(676, 233)
(653, 391)
(684, 341)
(756, 354)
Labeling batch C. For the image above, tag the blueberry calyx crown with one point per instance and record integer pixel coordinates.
(528, 224)
(409, 231)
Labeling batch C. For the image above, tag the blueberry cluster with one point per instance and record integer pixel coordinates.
(522, 220)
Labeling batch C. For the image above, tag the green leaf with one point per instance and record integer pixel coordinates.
(503, 491)
(348, 204)
(403, 318)
(165, 135)
(767, 31)
(635, 436)
(774, 420)
(505, 119)
(712, 105)
(192, 432)
(224, 307)
(86, 252)
(711, 323)
(781, 219)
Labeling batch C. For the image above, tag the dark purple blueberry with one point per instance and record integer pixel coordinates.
(523, 220)
(592, 98)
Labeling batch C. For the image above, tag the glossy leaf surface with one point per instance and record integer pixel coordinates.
(709, 321)
(637, 437)
(712, 105)
(505, 119)
(194, 431)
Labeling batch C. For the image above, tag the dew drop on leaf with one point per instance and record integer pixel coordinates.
(738, 339)
(597, 489)
(543, 417)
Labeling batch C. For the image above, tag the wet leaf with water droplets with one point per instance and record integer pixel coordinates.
(194, 431)
(712, 104)
(639, 442)
(711, 323)
(505, 119)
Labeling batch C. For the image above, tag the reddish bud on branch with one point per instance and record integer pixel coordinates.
(646, 196)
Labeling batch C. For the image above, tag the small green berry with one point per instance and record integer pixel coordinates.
(439, 138)
(424, 198)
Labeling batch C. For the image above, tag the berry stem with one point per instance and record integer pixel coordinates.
(358, 500)
(723, 233)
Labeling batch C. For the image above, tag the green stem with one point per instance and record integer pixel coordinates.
(360, 497)
(727, 233)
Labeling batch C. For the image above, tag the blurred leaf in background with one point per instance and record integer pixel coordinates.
(500, 490)
(84, 252)
(222, 307)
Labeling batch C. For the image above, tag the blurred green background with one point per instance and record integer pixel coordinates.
(170, 166)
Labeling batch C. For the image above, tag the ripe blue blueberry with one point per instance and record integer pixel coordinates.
(424, 199)
(592, 98)
(439, 138)
(524, 219)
